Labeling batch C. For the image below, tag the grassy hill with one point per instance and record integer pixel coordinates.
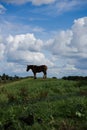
(49, 104)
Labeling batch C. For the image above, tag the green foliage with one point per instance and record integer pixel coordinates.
(55, 104)
(6, 78)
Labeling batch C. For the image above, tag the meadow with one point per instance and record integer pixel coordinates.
(51, 104)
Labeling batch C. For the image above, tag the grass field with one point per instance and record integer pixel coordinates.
(50, 104)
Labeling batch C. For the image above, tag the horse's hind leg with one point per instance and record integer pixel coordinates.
(45, 75)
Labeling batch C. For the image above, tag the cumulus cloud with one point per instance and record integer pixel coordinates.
(65, 53)
(80, 36)
(71, 44)
(2, 49)
(35, 2)
(25, 49)
(24, 42)
(60, 44)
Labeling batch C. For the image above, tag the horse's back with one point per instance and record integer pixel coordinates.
(43, 67)
(40, 68)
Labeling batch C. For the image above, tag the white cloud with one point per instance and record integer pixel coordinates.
(65, 54)
(12, 68)
(71, 46)
(2, 50)
(2, 9)
(35, 2)
(60, 44)
(24, 42)
(66, 5)
(70, 67)
(80, 36)
(24, 49)
(40, 2)
(8, 27)
(73, 42)
(61, 6)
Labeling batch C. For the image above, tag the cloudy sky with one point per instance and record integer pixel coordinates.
(51, 32)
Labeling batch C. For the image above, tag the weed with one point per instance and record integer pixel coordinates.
(23, 93)
(11, 98)
(42, 95)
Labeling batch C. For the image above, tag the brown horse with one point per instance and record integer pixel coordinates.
(37, 69)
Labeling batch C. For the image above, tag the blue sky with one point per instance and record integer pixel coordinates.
(52, 32)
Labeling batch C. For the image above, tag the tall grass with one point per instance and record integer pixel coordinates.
(55, 104)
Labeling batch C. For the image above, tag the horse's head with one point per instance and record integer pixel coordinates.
(28, 68)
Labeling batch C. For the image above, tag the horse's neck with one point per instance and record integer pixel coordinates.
(32, 68)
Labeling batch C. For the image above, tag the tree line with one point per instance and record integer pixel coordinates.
(4, 77)
(76, 78)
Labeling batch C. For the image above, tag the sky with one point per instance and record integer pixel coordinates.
(50, 32)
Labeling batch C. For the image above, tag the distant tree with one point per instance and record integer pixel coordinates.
(3, 77)
(76, 78)
(54, 77)
(0, 78)
(16, 77)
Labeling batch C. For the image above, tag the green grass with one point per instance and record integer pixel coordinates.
(58, 104)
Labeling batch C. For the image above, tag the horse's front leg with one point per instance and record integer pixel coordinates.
(34, 75)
